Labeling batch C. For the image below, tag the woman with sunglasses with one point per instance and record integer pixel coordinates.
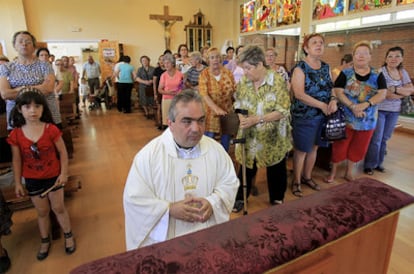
(40, 157)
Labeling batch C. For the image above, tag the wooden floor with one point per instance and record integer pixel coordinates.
(105, 145)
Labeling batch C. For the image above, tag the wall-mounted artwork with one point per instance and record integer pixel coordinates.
(288, 11)
(259, 15)
(404, 2)
(363, 5)
(248, 17)
(265, 14)
(327, 8)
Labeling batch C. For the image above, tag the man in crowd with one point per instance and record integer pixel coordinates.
(92, 71)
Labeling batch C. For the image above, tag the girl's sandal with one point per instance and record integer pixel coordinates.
(296, 189)
(310, 183)
(69, 249)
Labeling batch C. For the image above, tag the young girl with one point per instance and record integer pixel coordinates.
(39, 155)
(84, 91)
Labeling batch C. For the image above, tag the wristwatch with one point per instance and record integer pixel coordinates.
(261, 121)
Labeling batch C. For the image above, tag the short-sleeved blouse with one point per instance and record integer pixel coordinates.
(220, 92)
(33, 74)
(48, 164)
(393, 105)
(359, 89)
(318, 84)
(269, 142)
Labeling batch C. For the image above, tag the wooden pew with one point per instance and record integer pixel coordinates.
(15, 203)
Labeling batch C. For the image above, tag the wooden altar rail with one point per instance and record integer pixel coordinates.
(347, 228)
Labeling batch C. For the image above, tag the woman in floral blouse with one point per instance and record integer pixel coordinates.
(216, 85)
(263, 93)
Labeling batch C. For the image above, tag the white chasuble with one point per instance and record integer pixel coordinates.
(156, 179)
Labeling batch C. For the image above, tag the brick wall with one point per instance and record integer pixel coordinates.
(390, 36)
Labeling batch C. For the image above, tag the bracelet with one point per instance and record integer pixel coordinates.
(333, 98)
(352, 106)
(369, 102)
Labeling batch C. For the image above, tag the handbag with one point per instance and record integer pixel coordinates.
(407, 105)
(334, 127)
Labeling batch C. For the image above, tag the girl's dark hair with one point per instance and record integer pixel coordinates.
(39, 50)
(400, 49)
(26, 97)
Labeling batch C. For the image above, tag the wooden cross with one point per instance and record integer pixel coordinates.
(167, 21)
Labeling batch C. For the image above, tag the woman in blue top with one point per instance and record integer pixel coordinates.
(125, 74)
(398, 85)
(360, 89)
(311, 86)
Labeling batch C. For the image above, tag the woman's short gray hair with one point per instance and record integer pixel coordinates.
(252, 55)
(169, 57)
(197, 56)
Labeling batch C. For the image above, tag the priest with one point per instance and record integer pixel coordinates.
(181, 182)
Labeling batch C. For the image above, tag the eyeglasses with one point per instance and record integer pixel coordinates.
(35, 151)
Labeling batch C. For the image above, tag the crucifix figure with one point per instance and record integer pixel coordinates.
(167, 21)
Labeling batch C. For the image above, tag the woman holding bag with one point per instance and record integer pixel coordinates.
(313, 100)
(360, 89)
(398, 86)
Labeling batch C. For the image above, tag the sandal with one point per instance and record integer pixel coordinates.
(310, 183)
(69, 249)
(41, 255)
(329, 180)
(296, 189)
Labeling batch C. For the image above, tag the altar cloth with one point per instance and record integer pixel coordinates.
(266, 239)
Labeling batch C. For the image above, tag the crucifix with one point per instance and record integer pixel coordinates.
(167, 21)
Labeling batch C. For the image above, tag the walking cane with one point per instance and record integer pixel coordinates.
(242, 142)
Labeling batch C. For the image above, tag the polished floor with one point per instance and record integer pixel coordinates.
(105, 143)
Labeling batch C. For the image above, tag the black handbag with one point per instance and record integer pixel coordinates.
(407, 105)
(334, 128)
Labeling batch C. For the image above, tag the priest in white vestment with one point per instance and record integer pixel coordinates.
(181, 182)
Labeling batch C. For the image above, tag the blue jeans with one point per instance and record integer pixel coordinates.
(378, 145)
(225, 139)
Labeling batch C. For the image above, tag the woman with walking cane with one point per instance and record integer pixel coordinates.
(263, 94)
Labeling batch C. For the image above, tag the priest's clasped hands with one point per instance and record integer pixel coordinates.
(192, 209)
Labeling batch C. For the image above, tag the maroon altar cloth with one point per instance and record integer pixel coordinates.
(266, 239)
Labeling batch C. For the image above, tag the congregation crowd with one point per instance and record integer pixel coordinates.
(193, 94)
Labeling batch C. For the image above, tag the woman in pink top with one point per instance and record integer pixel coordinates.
(171, 83)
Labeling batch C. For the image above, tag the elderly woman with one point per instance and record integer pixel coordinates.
(271, 55)
(144, 77)
(216, 86)
(311, 85)
(263, 93)
(28, 70)
(360, 89)
(171, 83)
(193, 73)
(399, 85)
